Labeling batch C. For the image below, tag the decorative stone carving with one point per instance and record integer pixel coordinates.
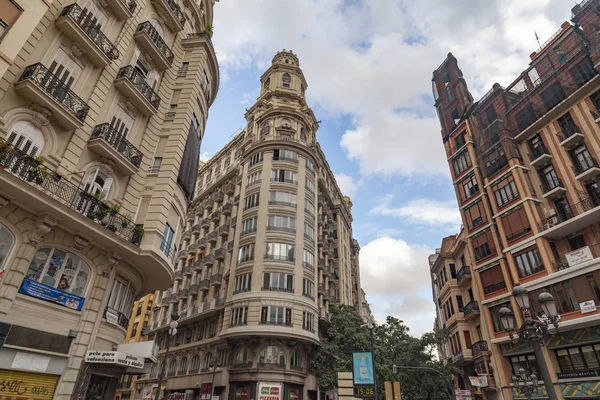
(102, 3)
(148, 188)
(79, 243)
(111, 259)
(130, 107)
(108, 162)
(4, 201)
(43, 226)
(75, 51)
(42, 115)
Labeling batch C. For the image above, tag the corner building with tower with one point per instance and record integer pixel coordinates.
(524, 166)
(102, 110)
(267, 252)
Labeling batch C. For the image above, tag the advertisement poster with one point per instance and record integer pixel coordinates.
(48, 293)
(269, 391)
(362, 363)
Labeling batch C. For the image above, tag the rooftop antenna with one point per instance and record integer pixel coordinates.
(538, 39)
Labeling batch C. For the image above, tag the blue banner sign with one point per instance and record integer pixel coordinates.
(48, 293)
(362, 363)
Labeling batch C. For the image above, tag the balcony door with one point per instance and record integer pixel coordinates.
(26, 137)
(121, 124)
(66, 73)
(92, 16)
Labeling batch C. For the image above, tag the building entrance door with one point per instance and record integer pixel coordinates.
(97, 387)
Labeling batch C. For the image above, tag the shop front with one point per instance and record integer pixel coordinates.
(27, 385)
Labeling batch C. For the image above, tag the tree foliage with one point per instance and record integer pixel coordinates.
(393, 346)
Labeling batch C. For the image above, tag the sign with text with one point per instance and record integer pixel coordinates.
(113, 357)
(579, 256)
(587, 306)
(44, 292)
(362, 366)
(269, 391)
(176, 396)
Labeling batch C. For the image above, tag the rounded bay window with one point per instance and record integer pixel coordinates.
(272, 356)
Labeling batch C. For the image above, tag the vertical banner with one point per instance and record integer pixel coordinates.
(362, 363)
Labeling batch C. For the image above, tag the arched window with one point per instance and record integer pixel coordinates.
(303, 134)
(183, 366)
(60, 270)
(208, 360)
(98, 183)
(7, 241)
(195, 365)
(172, 367)
(267, 83)
(241, 357)
(272, 355)
(286, 81)
(25, 136)
(296, 360)
(265, 128)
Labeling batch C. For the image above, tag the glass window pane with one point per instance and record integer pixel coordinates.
(590, 357)
(576, 359)
(54, 267)
(38, 262)
(563, 360)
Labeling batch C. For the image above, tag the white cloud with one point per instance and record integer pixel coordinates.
(205, 156)
(347, 184)
(395, 276)
(372, 61)
(433, 213)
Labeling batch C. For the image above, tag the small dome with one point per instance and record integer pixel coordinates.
(286, 57)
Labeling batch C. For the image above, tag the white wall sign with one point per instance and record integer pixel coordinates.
(579, 256)
(587, 306)
(30, 362)
(114, 357)
(269, 391)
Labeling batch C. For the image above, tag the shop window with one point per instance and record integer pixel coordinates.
(7, 241)
(272, 355)
(58, 272)
(525, 361)
(516, 224)
(579, 358)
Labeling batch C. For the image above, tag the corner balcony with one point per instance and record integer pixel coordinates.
(204, 284)
(81, 28)
(199, 211)
(178, 275)
(132, 84)
(553, 188)
(122, 9)
(208, 260)
(223, 230)
(227, 208)
(192, 249)
(216, 280)
(479, 348)
(570, 137)
(205, 223)
(471, 310)
(220, 254)
(152, 43)
(585, 168)
(188, 270)
(40, 86)
(464, 275)
(539, 156)
(462, 357)
(566, 219)
(212, 237)
(107, 142)
(171, 13)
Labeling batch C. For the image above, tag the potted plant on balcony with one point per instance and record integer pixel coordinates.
(5, 150)
(208, 30)
(114, 209)
(138, 232)
(126, 220)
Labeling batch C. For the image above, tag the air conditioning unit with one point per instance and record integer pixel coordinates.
(548, 213)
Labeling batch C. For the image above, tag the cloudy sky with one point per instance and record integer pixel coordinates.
(368, 64)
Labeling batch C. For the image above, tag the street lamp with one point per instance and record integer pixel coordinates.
(371, 327)
(172, 332)
(533, 332)
(214, 367)
(526, 384)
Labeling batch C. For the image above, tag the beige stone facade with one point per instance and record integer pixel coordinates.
(267, 251)
(101, 102)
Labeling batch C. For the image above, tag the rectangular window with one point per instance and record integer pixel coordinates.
(239, 316)
(567, 125)
(483, 245)
(255, 178)
(249, 225)
(529, 262)
(492, 279)
(449, 94)
(310, 185)
(309, 207)
(459, 140)
(284, 175)
(309, 165)
(496, 316)
(505, 191)
(308, 288)
(246, 253)
(525, 117)
(184, 68)
(468, 188)
(308, 321)
(309, 259)
(527, 362)
(285, 155)
(257, 158)
(461, 162)
(579, 358)
(278, 281)
(251, 201)
(276, 315)
(475, 215)
(282, 199)
(516, 224)
(281, 223)
(243, 283)
(495, 161)
(552, 96)
(279, 251)
(165, 245)
(156, 163)
(583, 71)
(309, 231)
(9, 13)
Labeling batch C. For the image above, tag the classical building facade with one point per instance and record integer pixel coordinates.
(102, 109)
(267, 251)
(523, 162)
(457, 299)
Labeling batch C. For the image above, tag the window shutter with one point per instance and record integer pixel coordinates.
(106, 188)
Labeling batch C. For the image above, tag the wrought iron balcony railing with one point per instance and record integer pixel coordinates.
(176, 11)
(139, 81)
(57, 89)
(157, 39)
(87, 23)
(122, 320)
(118, 142)
(28, 169)
(479, 347)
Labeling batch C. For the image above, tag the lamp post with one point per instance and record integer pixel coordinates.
(371, 328)
(171, 334)
(526, 384)
(532, 331)
(214, 367)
